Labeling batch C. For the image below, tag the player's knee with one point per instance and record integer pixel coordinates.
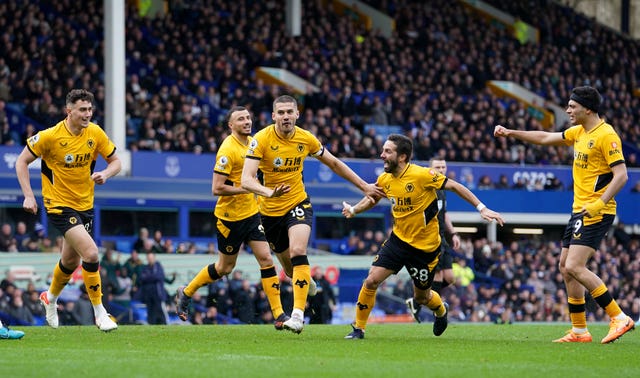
(298, 251)
(224, 270)
(371, 283)
(91, 255)
(264, 261)
(571, 270)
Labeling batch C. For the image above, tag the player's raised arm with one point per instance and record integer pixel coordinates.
(370, 190)
(531, 136)
(467, 195)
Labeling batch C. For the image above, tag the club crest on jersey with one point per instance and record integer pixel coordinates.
(409, 188)
(591, 144)
(73, 220)
(91, 143)
(300, 147)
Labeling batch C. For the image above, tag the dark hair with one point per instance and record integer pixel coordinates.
(76, 95)
(404, 146)
(284, 99)
(234, 109)
(587, 97)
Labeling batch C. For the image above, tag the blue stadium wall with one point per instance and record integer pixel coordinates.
(184, 180)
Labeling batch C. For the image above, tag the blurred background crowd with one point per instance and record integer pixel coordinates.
(427, 80)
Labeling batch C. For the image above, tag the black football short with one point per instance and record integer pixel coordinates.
(445, 261)
(70, 218)
(591, 235)
(277, 228)
(231, 235)
(396, 254)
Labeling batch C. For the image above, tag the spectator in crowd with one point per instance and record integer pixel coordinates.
(110, 263)
(503, 182)
(31, 299)
(159, 243)
(17, 308)
(321, 305)
(22, 236)
(143, 237)
(244, 302)
(133, 265)
(152, 290)
(463, 274)
(82, 311)
(554, 184)
(485, 183)
(6, 237)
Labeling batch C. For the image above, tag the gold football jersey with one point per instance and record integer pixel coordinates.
(67, 164)
(229, 162)
(281, 162)
(594, 153)
(414, 205)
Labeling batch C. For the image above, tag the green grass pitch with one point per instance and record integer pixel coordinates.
(389, 350)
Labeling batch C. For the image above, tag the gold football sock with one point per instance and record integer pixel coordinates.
(271, 287)
(577, 312)
(300, 281)
(435, 304)
(92, 281)
(202, 278)
(61, 277)
(602, 296)
(366, 301)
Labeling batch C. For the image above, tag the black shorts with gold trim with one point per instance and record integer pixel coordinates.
(277, 228)
(395, 254)
(589, 234)
(69, 218)
(231, 235)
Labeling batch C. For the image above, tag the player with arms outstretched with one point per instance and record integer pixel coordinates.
(599, 172)
(415, 241)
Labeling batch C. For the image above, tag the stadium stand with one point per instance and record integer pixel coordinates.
(185, 68)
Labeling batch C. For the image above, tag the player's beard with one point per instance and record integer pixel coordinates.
(391, 166)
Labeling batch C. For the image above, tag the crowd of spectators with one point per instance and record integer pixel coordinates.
(186, 67)
(495, 283)
(23, 240)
